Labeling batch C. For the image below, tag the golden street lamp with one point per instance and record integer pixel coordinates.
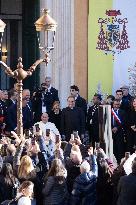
(46, 25)
(2, 27)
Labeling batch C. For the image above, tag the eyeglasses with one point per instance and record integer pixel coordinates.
(71, 101)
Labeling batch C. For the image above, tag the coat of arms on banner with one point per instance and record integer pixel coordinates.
(113, 37)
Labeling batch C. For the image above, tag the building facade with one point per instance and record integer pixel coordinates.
(69, 59)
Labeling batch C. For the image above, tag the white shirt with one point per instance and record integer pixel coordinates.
(49, 88)
(44, 109)
(24, 201)
(49, 125)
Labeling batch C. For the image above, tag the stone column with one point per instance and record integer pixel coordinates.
(61, 68)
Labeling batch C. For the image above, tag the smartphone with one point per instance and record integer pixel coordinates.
(47, 132)
(97, 145)
(75, 133)
(13, 142)
(37, 127)
(27, 133)
(57, 139)
(31, 133)
(72, 137)
(31, 130)
(127, 155)
(5, 146)
(32, 141)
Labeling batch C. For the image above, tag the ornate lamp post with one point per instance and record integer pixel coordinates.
(45, 24)
(2, 27)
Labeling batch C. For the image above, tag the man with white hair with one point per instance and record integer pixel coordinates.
(84, 188)
(85, 167)
(44, 125)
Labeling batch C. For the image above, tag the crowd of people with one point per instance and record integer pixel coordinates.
(52, 163)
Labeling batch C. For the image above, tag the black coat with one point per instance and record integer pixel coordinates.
(7, 191)
(47, 98)
(72, 120)
(118, 137)
(131, 134)
(81, 102)
(9, 102)
(54, 192)
(93, 122)
(127, 190)
(11, 118)
(73, 170)
(122, 117)
(55, 118)
(126, 103)
(3, 112)
(3, 108)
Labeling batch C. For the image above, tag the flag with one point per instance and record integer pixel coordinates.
(111, 44)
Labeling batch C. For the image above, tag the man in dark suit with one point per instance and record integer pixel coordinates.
(93, 119)
(72, 119)
(11, 118)
(126, 99)
(79, 101)
(118, 124)
(44, 99)
(3, 111)
(12, 98)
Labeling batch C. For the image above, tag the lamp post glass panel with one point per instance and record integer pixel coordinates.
(44, 24)
(2, 27)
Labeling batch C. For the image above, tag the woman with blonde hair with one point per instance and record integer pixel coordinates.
(26, 169)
